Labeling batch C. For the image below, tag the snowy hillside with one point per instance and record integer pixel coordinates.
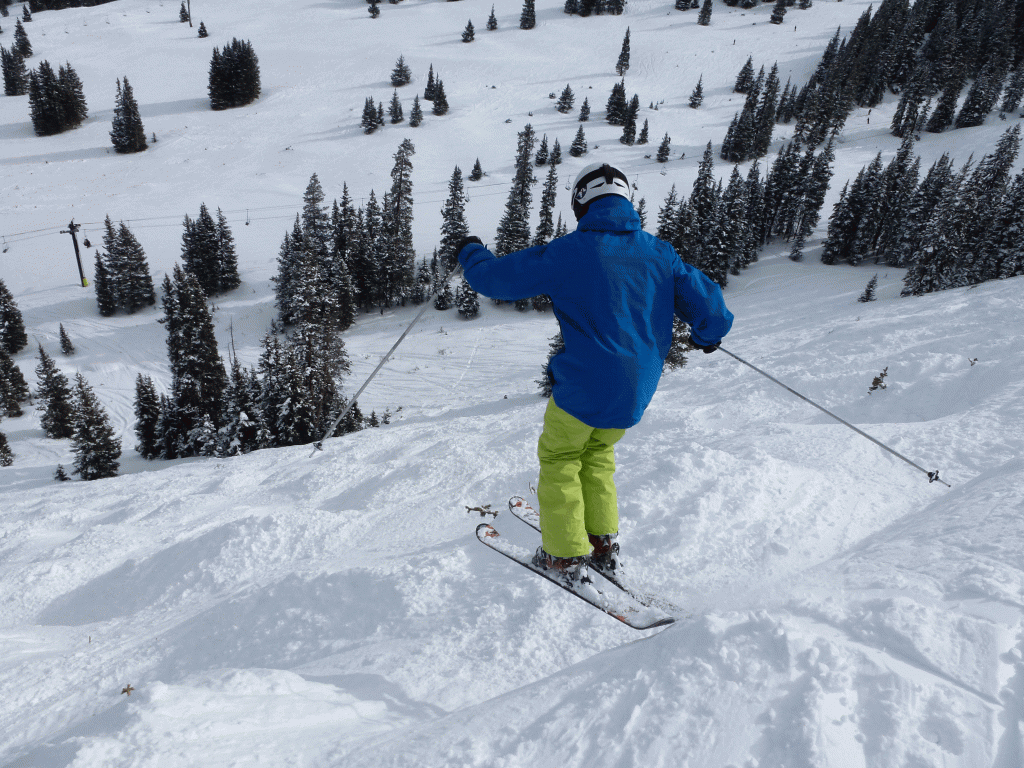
(834, 608)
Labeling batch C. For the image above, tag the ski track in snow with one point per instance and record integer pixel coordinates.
(840, 611)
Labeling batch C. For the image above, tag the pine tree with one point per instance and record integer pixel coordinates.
(560, 228)
(234, 79)
(645, 134)
(15, 73)
(676, 358)
(468, 33)
(374, 9)
(556, 154)
(869, 291)
(745, 79)
(664, 149)
(369, 121)
(641, 212)
(54, 395)
(103, 284)
(697, 97)
(579, 144)
(198, 378)
(477, 173)
(622, 64)
(445, 299)
(65, 342)
(416, 114)
(227, 259)
(492, 21)
(26, 15)
(96, 447)
(13, 338)
(704, 19)
(440, 99)
(514, 227)
(617, 106)
(566, 101)
(528, 18)
(147, 417)
(541, 158)
(466, 300)
(13, 388)
(45, 102)
(585, 111)
(453, 222)
(6, 454)
(629, 124)
(22, 46)
(202, 30)
(545, 226)
(778, 12)
(401, 74)
(127, 133)
(547, 379)
(60, 474)
(183, 13)
(1014, 91)
(71, 97)
(137, 282)
(428, 91)
(395, 109)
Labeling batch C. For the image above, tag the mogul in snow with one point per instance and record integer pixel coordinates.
(615, 289)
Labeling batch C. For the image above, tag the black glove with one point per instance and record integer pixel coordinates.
(710, 348)
(466, 241)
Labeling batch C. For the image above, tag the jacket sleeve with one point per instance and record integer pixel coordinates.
(519, 275)
(700, 303)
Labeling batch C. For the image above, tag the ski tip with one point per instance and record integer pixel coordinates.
(516, 502)
(486, 529)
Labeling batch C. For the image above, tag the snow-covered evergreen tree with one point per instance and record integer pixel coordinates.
(704, 19)
(55, 400)
(6, 454)
(466, 300)
(492, 21)
(13, 338)
(578, 148)
(566, 100)
(453, 222)
(664, 149)
(97, 448)
(697, 96)
(514, 228)
(401, 74)
(127, 133)
(147, 417)
(528, 18)
(15, 73)
(440, 99)
(869, 290)
(547, 380)
(395, 109)
(584, 111)
(234, 79)
(622, 64)
(416, 113)
(13, 388)
(468, 34)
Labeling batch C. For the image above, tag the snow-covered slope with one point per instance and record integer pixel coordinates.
(836, 609)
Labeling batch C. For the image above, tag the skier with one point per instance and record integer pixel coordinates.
(614, 289)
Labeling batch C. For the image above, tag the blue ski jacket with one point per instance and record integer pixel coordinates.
(614, 289)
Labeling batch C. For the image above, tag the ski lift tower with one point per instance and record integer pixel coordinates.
(73, 230)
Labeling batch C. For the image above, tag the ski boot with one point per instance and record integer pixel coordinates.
(605, 557)
(572, 571)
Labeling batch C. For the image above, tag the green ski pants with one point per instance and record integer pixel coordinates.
(576, 490)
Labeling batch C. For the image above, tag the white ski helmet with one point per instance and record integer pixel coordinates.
(594, 181)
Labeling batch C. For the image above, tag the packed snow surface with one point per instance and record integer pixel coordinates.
(835, 609)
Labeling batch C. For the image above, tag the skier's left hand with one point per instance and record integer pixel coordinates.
(466, 241)
(710, 348)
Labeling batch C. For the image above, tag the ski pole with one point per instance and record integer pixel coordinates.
(319, 444)
(932, 476)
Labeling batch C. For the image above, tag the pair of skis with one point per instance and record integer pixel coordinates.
(612, 596)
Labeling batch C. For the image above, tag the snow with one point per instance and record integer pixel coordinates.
(837, 610)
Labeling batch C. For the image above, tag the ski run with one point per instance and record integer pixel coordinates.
(839, 611)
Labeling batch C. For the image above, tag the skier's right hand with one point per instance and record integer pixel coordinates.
(710, 348)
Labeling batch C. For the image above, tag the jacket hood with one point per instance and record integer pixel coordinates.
(610, 214)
